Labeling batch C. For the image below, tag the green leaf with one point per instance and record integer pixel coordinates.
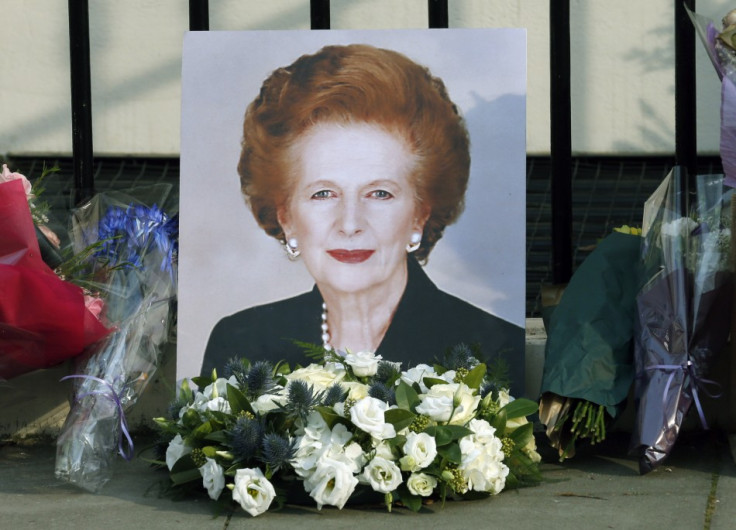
(521, 407)
(238, 401)
(498, 422)
(217, 436)
(209, 450)
(406, 397)
(429, 382)
(413, 502)
(445, 434)
(522, 435)
(203, 430)
(185, 471)
(399, 418)
(202, 382)
(475, 376)
(451, 452)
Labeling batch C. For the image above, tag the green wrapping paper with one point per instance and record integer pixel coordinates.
(590, 334)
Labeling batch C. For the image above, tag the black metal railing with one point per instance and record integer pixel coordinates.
(560, 103)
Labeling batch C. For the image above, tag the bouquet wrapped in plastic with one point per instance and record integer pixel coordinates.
(44, 320)
(131, 263)
(683, 308)
(721, 47)
(589, 365)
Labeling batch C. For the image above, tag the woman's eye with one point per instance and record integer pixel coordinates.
(322, 194)
(381, 194)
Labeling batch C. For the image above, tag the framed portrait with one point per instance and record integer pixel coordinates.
(229, 263)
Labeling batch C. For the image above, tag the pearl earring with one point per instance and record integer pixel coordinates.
(415, 242)
(292, 248)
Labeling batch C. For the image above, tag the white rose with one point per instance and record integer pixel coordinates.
(451, 402)
(383, 475)
(176, 450)
(317, 376)
(384, 450)
(421, 484)
(367, 415)
(363, 363)
(419, 450)
(504, 398)
(332, 483)
(213, 478)
(417, 375)
(355, 389)
(253, 491)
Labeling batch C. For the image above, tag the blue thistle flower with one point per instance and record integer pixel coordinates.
(236, 367)
(246, 438)
(277, 450)
(387, 372)
(260, 379)
(334, 394)
(460, 356)
(301, 399)
(380, 391)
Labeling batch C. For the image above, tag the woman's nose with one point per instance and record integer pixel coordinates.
(351, 219)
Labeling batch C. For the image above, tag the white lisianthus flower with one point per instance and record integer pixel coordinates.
(253, 491)
(420, 450)
(367, 415)
(176, 449)
(219, 387)
(421, 484)
(451, 402)
(332, 483)
(317, 376)
(383, 475)
(268, 402)
(219, 404)
(363, 363)
(213, 478)
(384, 450)
(417, 375)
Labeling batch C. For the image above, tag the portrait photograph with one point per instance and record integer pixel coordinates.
(352, 190)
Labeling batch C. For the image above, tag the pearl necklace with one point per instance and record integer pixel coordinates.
(325, 329)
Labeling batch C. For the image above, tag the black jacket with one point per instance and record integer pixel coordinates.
(426, 323)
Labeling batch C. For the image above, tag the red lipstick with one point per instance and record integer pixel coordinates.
(350, 256)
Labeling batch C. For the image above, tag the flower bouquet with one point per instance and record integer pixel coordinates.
(44, 319)
(127, 246)
(721, 47)
(589, 365)
(683, 309)
(348, 429)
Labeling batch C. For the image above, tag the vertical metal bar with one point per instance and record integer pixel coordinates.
(319, 14)
(81, 101)
(438, 14)
(561, 140)
(199, 15)
(686, 150)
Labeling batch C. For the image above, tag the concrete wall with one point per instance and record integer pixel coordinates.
(623, 68)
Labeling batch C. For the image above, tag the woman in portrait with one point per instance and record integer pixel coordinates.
(355, 160)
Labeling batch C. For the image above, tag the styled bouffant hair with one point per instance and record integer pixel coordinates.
(354, 84)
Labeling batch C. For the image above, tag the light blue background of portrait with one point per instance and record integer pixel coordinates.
(227, 263)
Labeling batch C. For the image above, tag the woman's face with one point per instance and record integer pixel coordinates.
(353, 206)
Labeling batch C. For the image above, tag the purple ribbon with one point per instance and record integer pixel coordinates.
(689, 369)
(126, 453)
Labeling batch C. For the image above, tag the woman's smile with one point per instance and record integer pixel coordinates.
(351, 256)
